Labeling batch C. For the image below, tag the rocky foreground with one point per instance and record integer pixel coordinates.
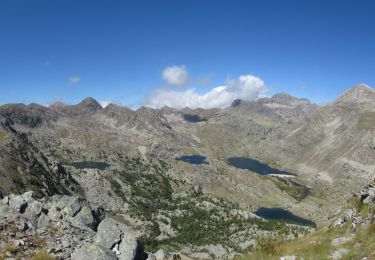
(62, 227)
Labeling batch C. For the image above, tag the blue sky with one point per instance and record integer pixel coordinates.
(119, 51)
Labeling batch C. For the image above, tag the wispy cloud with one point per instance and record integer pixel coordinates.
(176, 76)
(246, 87)
(105, 103)
(73, 80)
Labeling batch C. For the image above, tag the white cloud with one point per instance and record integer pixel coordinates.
(74, 80)
(246, 87)
(176, 76)
(105, 103)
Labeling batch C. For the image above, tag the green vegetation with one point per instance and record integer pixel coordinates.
(18, 182)
(10, 247)
(43, 255)
(3, 136)
(196, 219)
(199, 226)
(292, 188)
(150, 186)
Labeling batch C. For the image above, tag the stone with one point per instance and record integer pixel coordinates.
(113, 235)
(341, 240)
(5, 200)
(63, 206)
(18, 203)
(339, 253)
(43, 221)
(94, 252)
(110, 232)
(98, 214)
(288, 257)
(33, 211)
(130, 249)
(19, 242)
(23, 225)
(338, 222)
(368, 194)
(348, 214)
(7, 212)
(151, 257)
(358, 219)
(84, 218)
(160, 255)
(217, 251)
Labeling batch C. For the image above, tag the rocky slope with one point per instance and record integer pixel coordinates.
(24, 167)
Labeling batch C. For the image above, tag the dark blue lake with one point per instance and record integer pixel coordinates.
(193, 159)
(284, 215)
(254, 166)
(193, 118)
(90, 165)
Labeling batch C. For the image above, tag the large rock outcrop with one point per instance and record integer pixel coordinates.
(65, 227)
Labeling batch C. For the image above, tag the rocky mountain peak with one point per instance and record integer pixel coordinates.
(58, 105)
(283, 96)
(236, 103)
(90, 102)
(118, 112)
(286, 99)
(360, 93)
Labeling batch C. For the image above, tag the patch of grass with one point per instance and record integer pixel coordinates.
(18, 182)
(313, 246)
(55, 230)
(292, 188)
(363, 245)
(43, 255)
(3, 136)
(116, 187)
(11, 248)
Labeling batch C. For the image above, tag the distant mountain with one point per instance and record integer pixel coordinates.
(32, 115)
(358, 94)
(280, 105)
(88, 106)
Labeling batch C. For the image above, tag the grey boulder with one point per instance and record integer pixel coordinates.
(94, 252)
(113, 236)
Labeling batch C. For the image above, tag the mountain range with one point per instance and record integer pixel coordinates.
(133, 161)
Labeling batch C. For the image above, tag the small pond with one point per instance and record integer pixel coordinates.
(284, 215)
(293, 188)
(90, 165)
(193, 159)
(255, 166)
(193, 118)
